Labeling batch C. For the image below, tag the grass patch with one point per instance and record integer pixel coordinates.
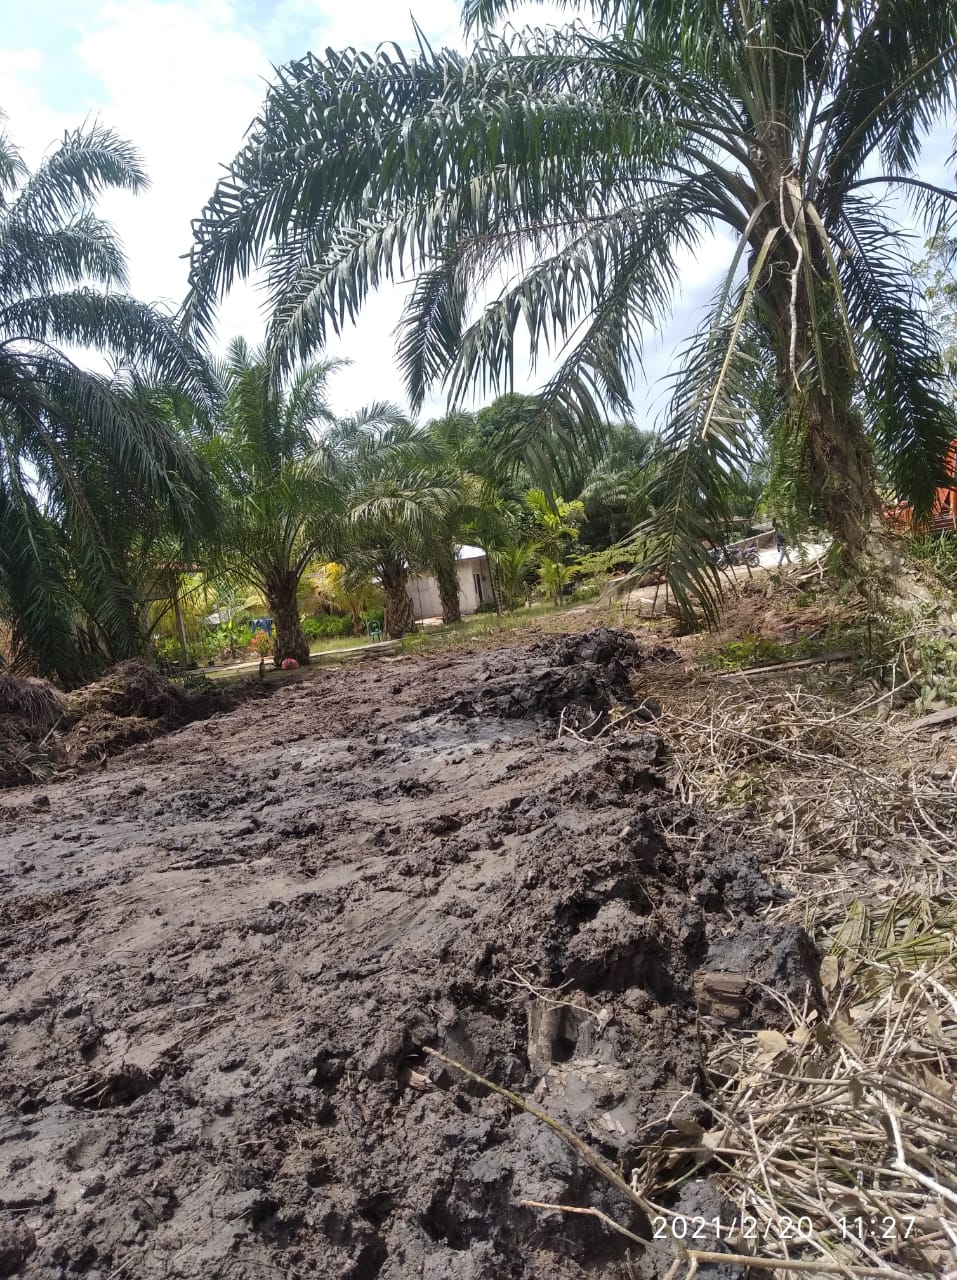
(343, 642)
(484, 627)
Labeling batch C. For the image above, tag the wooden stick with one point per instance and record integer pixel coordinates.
(841, 655)
(936, 717)
(591, 1213)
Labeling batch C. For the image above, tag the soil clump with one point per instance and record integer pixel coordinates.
(585, 681)
(225, 955)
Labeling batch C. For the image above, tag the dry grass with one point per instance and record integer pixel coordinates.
(35, 704)
(29, 711)
(848, 1122)
(843, 784)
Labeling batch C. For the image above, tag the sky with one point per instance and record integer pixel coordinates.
(182, 80)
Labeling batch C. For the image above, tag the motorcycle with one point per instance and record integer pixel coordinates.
(735, 557)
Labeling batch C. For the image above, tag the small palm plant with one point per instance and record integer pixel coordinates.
(275, 483)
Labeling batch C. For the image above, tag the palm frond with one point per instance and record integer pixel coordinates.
(704, 455)
(88, 161)
(132, 332)
(37, 261)
(910, 413)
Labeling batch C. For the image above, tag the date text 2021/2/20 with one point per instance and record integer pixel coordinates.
(677, 1227)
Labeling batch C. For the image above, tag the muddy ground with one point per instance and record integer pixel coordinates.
(223, 953)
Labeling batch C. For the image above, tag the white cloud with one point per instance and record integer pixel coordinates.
(30, 123)
(362, 25)
(182, 84)
(182, 80)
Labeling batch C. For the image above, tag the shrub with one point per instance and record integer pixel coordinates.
(487, 606)
(167, 649)
(205, 650)
(326, 626)
(261, 644)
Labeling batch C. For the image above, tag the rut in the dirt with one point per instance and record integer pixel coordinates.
(218, 1068)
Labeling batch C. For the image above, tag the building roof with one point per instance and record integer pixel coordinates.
(470, 553)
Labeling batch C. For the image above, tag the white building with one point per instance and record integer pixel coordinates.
(475, 586)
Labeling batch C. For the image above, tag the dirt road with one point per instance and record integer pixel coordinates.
(222, 955)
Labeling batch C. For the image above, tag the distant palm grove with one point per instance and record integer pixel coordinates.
(541, 192)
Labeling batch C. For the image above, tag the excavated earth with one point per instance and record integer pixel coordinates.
(224, 953)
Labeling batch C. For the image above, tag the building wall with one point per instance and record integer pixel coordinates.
(472, 593)
(424, 594)
(424, 591)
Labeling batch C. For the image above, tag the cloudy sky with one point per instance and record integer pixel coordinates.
(182, 79)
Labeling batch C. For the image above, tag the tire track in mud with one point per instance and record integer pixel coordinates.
(221, 960)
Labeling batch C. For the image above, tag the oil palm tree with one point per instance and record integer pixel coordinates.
(274, 481)
(88, 462)
(482, 463)
(613, 492)
(400, 499)
(578, 166)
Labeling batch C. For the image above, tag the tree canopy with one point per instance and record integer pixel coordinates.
(577, 167)
(274, 479)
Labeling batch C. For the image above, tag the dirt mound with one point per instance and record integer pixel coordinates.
(43, 732)
(584, 681)
(131, 688)
(130, 703)
(214, 1046)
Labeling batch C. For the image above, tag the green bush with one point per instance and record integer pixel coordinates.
(373, 615)
(487, 606)
(205, 650)
(588, 590)
(167, 649)
(758, 650)
(327, 626)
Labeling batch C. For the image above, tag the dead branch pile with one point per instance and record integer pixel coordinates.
(29, 710)
(131, 688)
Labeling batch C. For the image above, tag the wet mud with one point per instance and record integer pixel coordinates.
(224, 954)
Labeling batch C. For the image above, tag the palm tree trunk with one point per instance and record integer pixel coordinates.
(845, 482)
(399, 617)
(448, 582)
(282, 595)
(836, 466)
(180, 628)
